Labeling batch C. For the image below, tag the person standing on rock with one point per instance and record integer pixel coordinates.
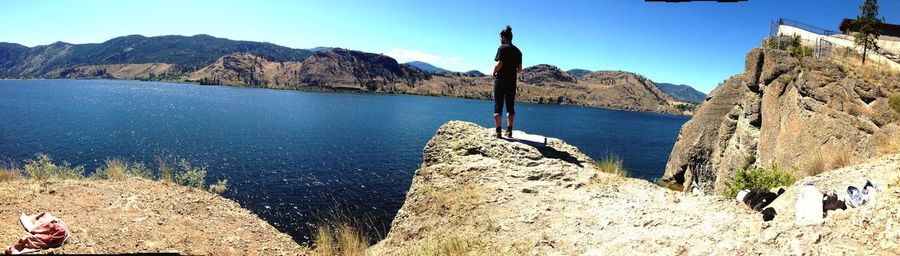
(509, 63)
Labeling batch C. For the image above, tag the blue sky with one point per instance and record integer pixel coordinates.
(699, 44)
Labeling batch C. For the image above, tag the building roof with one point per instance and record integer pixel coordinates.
(887, 29)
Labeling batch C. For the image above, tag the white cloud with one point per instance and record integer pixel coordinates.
(407, 55)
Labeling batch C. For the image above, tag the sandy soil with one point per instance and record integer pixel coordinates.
(140, 216)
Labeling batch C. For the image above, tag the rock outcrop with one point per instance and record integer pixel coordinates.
(475, 194)
(626, 90)
(355, 69)
(783, 112)
(244, 69)
(545, 74)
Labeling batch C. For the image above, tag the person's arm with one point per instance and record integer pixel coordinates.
(498, 58)
(519, 69)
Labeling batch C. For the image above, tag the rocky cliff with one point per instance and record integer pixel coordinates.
(244, 69)
(475, 194)
(358, 70)
(786, 112)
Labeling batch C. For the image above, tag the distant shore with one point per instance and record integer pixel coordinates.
(341, 90)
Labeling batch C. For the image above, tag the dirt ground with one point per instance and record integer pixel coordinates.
(139, 215)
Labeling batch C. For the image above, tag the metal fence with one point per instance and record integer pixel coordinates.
(820, 41)
(819, 48)
(800, 25)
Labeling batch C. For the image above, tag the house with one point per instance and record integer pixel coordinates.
(887, 29)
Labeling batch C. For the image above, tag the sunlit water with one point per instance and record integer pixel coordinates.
(292, 156)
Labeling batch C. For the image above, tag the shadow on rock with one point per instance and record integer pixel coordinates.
(547, 151)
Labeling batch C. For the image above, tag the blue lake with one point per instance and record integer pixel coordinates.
(292, 156)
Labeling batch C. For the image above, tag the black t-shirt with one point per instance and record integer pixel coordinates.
(511, 58)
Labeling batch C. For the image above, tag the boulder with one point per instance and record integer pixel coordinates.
(781, 112)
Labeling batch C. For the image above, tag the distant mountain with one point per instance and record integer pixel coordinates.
(188, 53)
(682, 92)
(209, 60)
(578, 72)
(428, 67)
(544, 73)
(337, 69)
(474, 73)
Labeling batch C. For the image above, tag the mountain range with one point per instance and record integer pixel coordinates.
(428, 67)
(683, 93)
(209, 60)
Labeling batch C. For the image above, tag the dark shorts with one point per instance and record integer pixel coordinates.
(504, 91)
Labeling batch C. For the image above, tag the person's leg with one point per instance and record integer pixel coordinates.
(510, 98)
(498, 107)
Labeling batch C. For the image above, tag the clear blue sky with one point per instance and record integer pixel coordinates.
(699, 44)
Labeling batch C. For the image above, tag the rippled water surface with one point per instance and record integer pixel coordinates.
(291, 156)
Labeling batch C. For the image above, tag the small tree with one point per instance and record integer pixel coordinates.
(867, 25)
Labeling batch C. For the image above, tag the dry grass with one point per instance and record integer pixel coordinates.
(611, 164)
(888, 143)
(9, 172)
(166, 173)
(894, 101)
(840, 158)
(814, 165)
(449, 246)
(219, 187)
(116, 169)
(826, 160)
(341, 234)
(454, 209)
(340, 239)
(870, 71)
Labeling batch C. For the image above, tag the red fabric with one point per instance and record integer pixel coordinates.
(44, 231)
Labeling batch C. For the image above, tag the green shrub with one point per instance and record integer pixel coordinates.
(685, 107)
(140, 170)
(191, 176)
(219, 187)
(757, 178)
(800, 52)
(42, 168)
(611, 164)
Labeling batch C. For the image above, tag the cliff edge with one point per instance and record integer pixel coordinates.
(480, 195)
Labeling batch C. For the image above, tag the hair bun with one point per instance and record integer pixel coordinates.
(508, 28)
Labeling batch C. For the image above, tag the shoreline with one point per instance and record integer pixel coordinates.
(322, 89)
